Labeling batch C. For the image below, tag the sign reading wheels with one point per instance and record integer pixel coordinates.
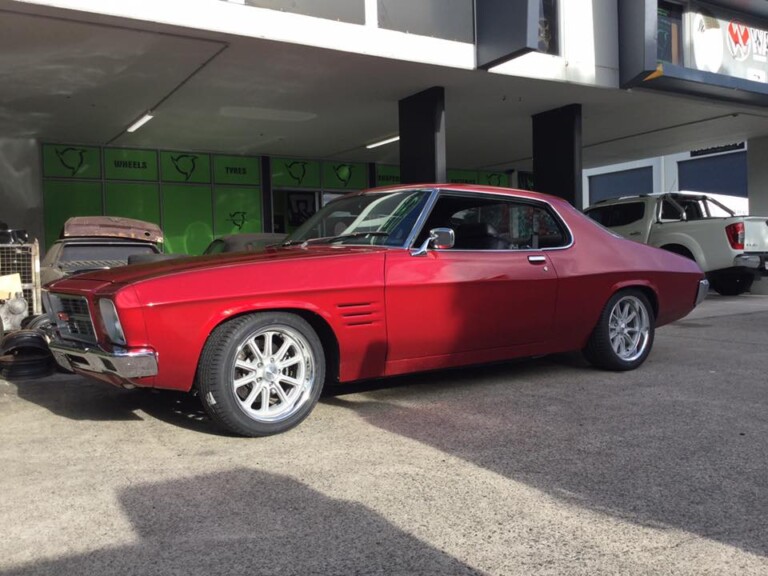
(66, 161)
(724, 43)
(122, 164)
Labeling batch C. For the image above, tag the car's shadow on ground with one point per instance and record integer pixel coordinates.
(78, 398)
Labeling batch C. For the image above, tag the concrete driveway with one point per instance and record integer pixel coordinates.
(536, 467)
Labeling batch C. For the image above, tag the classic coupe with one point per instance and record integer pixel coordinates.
(377, 283)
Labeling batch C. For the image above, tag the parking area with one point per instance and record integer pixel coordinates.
(542, 466)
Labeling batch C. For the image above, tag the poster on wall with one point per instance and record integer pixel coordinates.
(727, 43)
(301, 205)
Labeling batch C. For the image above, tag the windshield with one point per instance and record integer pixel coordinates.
(381, 218)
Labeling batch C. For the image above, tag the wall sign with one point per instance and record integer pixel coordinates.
(295, 173)
(723, 42)
(387, 175)
(237, 170)
(345, 176)
(125, 164)
(67, 161)
(189, 167)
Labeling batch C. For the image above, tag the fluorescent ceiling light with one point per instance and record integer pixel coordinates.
(387, 141)
(140, 122)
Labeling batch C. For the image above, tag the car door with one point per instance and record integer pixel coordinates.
(475, 298)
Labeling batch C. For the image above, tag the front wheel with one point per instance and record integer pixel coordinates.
(624, 333)
(261, 374)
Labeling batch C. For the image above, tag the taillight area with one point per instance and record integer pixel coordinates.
(735, 233)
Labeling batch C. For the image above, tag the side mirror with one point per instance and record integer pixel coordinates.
(439, 239)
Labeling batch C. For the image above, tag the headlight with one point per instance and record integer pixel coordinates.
(111, 321)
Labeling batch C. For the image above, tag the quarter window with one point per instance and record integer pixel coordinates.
(618, 214)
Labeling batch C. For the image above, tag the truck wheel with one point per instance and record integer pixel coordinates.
(624, 333)
(731, 284)
(261, 374)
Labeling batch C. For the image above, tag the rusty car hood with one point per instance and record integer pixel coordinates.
(141, 272)
(112, 227)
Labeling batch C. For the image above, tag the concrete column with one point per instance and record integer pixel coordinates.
(557, 153)
(757, 176)
(422, 137)
(757, 190)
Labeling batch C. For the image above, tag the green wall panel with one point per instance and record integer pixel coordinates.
(494, 179)
(345, 176)
(237, 170)
(292, 173)
(68, 161)
(462, 176)
(237, 210)
(125, 164)
(187, 218)
(185, 167)
(387, 175)
(133, 200)
(62, 200)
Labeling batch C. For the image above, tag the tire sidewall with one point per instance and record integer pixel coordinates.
(599, 350)
(215, 374)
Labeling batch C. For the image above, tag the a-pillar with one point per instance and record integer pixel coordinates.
(422, 137)
(557, 153)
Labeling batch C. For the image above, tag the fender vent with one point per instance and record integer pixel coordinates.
(360, 313)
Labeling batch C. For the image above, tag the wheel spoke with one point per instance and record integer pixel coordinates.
(245, 380)
(280, 393)
(249, 400)
(254, 349)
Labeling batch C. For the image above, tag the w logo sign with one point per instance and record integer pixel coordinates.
(739, 40)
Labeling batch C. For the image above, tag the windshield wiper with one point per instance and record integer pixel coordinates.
(331, 239)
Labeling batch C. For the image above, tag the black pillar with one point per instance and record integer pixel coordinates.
(557, 153)
(266, 194)
(422, 137)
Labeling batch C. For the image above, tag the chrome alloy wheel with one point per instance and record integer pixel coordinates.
(629, 328)
(274, 373)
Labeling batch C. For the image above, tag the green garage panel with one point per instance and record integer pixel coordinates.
(67, 161)
(345, 176)
(128, 164)
(237, 210)
(292, 173)
(140, 201)
(187, 218)
(237, 170)
(185, 167)
(62, 200)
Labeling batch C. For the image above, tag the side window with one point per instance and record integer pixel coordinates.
(669, 211)
(482, 223)
(618, 214)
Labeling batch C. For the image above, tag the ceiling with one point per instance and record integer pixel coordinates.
(81, 78)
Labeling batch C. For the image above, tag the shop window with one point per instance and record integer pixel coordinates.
(549, 41)
(669, 36)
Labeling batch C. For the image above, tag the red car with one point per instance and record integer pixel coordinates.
(382, 282)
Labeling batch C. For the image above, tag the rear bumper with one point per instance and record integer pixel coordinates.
(122, 363)
(758, 261)
(702, 291)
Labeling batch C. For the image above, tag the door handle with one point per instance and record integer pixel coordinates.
(634, 233)
(537, 259)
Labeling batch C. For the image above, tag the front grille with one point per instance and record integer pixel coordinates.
(73, 317)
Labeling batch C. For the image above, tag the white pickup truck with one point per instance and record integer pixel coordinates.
(732, 250)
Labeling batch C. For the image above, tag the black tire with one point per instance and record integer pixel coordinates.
(604, 351)
(269, 400)
(731, 284)
(22, 366)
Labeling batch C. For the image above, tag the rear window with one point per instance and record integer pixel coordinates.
(80, 252)
(618, 214)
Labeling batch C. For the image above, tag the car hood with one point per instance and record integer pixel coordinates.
(141, 272)
(112, 227)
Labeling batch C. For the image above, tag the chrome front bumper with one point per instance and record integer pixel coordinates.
(702, 293)
(127, 364)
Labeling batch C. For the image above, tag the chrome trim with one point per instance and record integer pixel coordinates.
(537, 259)
(701, 294)
(748, 260)
(135, 363)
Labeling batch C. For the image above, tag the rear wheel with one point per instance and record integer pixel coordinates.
(624, 333)
(261, 374)
(731, 284)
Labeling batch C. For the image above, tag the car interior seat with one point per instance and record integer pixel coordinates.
(478, 236)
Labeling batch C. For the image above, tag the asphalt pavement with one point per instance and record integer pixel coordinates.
(534, 467)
